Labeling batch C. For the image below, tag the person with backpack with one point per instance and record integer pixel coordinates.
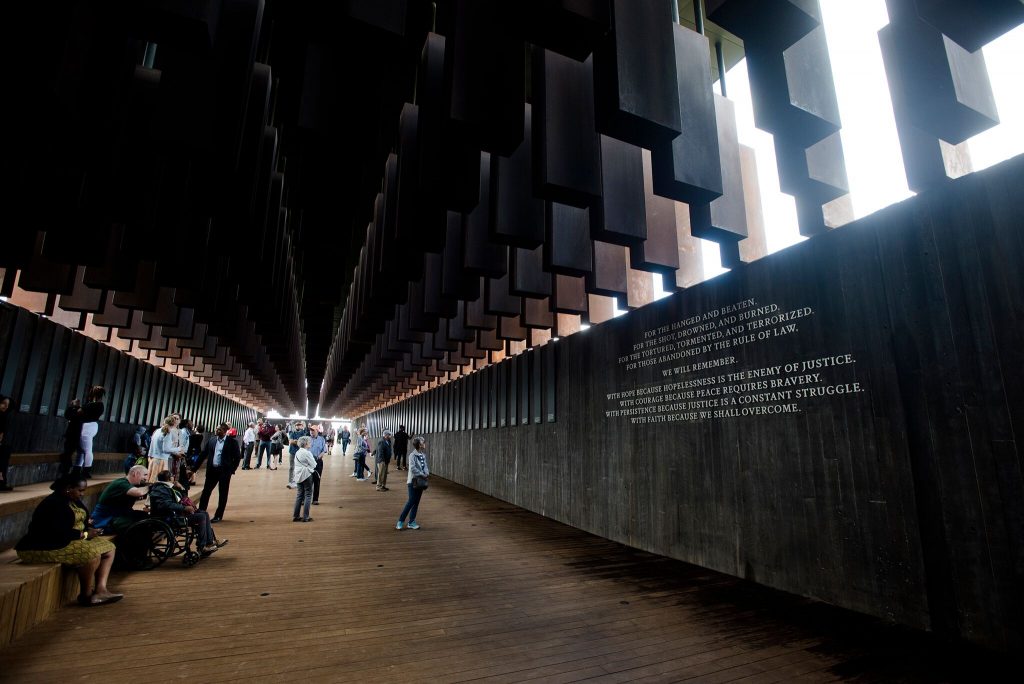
(417, 483)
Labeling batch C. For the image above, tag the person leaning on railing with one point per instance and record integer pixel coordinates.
(61, 532)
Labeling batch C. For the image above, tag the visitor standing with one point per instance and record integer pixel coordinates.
(5, 449)
(162, 449)
(277, 444)
(293, 446)
(264, 431)
(304, 469)
(346, 437)
(362, 448)
(249, 443)
(72, 437)
(317, 447)
(416, 483)
(91, 412)
(382, 457)
(401, 448)
(224, 456)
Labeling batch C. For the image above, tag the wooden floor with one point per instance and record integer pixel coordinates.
(483, 592)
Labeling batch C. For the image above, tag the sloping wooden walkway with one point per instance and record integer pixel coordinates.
(483, 592)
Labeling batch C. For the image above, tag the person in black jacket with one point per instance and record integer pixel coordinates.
(5, 449)
(165, 500)
(90, 415)
(61, 532)
(72, 437)
(382, 458)
(224, 455)
(401, 448)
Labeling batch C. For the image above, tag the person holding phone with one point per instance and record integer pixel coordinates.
(61, 532)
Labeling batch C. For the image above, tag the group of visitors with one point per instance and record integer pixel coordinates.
(62, 530)
(265, 439)
(394, 445)
(161, 469)
(390, 445)
(83, 425)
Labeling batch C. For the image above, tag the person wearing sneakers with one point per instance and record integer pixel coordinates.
(417, 482)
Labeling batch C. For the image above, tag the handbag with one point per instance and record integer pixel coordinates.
(420, 482)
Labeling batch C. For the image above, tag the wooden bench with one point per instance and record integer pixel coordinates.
(16, 507)
(29, 468)
(30, 593)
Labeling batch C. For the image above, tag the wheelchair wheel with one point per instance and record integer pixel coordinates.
(146, 544)
(190, 559)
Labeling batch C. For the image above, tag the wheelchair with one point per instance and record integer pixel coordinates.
(148, 543)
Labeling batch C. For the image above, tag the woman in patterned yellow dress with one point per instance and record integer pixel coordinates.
(59, 533)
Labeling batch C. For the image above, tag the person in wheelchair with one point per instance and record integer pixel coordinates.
(165, 501)
(115, 511)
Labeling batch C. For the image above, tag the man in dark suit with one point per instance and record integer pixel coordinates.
(223, 454)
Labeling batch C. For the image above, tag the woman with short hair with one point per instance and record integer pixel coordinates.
(305, 464)
(416, 482)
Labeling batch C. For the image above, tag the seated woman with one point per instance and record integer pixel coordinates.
(58, 534)
(165, 500)
(115, 511)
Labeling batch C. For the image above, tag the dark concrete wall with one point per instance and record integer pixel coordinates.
(902, 499)
(44, 365)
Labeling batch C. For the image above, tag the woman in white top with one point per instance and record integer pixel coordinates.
(163, 448)
(417, 470)
(305, 463)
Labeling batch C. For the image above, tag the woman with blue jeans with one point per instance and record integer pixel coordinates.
(417, 468)
(362, 449)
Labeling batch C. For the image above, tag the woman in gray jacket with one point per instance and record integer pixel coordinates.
(305, 464)
(417, 469)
